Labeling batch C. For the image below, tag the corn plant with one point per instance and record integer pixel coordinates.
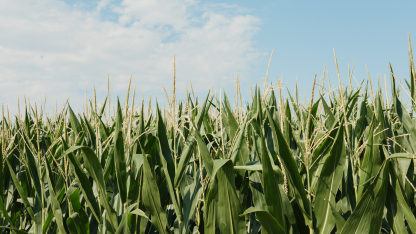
(344, 162)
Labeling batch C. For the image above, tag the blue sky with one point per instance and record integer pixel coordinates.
(373, 33)
(303, 37)
(58, 48)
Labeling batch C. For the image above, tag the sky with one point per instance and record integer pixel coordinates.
(61, 48)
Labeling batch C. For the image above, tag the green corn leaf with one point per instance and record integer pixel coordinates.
(289, 163)
(348, 188)
(256, 187)
(4, 212)
(288, 210)
(119, 157)
(288, 124)
(91, 131)
(167, 163)
(135, 180)
(229, 207)
(139, 132)
(50, 216)
(295, 106)
(232, 122)
(270, 183)
(339, 220)
(239, 153)
(407, 122)
(164, 145)
(94, 169)
(74, 224)
(257, 110)
(268, 222)
(151, 199)
(109, 164)
(76, 126)
(402, 205)
(102, 108)
(395, 215)
(138, 212)
(123, 227)
(190, 199)
(171, 190)
(26, 124)
(84, 184)
(369, 167)
(328, 184)
(33, 171)
(205, 155)
(366, 218)
(377, 211)
(38, 223)
(330, 120)
(56, 208)
(21, 192)
(211, 203)
(15, 230)
(320, 155)
(190, 142)
(258, 167)
(82, 221)
(352, 100)
(314, 110)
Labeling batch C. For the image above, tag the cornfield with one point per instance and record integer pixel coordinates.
(342, 162)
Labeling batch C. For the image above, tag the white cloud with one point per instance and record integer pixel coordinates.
(102, 4)
(150, 13)
(49, 47)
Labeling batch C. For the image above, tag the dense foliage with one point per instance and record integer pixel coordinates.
(342, 163)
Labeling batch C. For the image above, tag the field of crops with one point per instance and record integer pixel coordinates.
(341, 162)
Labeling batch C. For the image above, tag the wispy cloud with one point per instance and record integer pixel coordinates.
(49, 47)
